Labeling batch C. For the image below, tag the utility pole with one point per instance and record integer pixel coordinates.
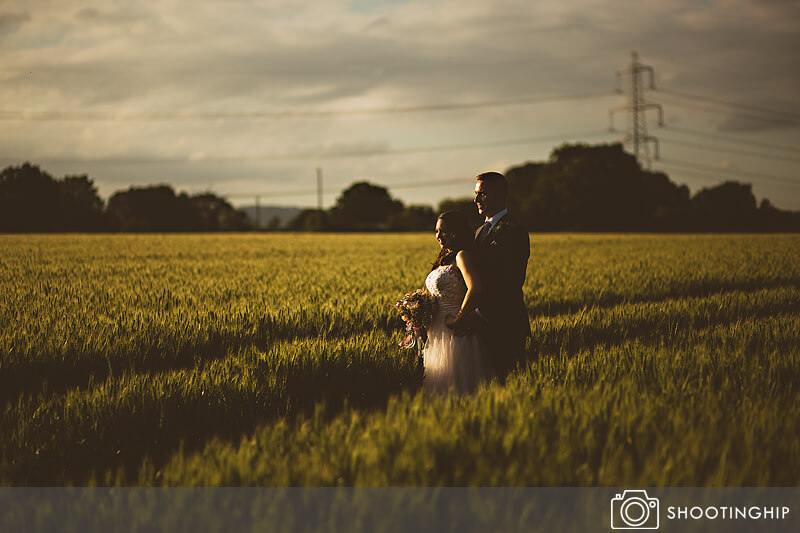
(258, 212)
(319, 188)
(637, 106)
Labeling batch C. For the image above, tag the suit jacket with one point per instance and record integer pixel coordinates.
(503, 260)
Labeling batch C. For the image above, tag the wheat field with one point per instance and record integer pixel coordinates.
(272, 359)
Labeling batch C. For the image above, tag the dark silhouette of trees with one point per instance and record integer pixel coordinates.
(413, 218)
(535, 196)
(774, 220)
(730, 206)
(154, 208)
(274, 224)
(158, 208)
(310, 220)
(216, 214)
(32, 201)
(664, 206)
(594, 188)
(29, 200)
(364, 206)
(81, 207)
(579, 188)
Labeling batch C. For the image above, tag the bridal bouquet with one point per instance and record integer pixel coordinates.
(417, 310)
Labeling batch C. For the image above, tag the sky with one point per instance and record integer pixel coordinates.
(251, 98)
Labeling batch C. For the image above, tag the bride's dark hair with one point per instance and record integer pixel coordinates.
(457, 225)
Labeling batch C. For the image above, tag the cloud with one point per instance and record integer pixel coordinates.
(241, 57)
(426, 52)
(124, 15)
(11, 22)
(348, 148)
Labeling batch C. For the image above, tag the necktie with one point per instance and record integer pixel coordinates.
(487, 227)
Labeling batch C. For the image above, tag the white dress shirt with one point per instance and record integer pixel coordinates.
(494, 219)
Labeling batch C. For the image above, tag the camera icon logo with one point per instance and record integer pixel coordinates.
(633, 509)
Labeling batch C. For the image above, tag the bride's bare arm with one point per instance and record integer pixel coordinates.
(469, 271)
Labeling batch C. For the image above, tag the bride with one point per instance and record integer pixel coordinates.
(453, 361)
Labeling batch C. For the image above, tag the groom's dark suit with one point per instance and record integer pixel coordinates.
(503, 259)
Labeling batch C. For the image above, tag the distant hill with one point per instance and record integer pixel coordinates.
(267, 212)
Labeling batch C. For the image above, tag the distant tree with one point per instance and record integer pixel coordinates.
(466, 206)
(274, 224)
(595, 188)
(81, 208)
(364, 206)
(579, 188)
(521, 198)
(209, 208)
(531, 196)
(310, 220)
(413, 218)
(216, 214)
(154, 208)
(592, 188)
(234, 220)
(770, 218)
(662, 205)
(29, 200)
(730, 206)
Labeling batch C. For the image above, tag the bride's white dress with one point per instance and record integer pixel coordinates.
(451, 362)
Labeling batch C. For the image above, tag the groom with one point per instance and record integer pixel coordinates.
(502, 247)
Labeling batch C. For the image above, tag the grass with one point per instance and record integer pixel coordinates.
(272, 360)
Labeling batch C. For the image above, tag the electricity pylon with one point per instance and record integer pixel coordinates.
(637, 106)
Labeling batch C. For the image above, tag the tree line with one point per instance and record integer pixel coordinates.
(603, 188)
(31, 200)
(579, 188)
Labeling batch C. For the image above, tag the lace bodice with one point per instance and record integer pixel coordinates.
(447, 284)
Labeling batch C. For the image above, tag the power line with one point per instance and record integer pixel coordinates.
(422, 184)
(696, 173)
(737, 75)
(508, 142)
(34, 115)
(276, 194)
(322, 155)
(714, 101)
(732, 139)
(707, 168)
(744, 114)
(715, 174)
(435, 183)
(707, 177)
(733, 151)
(310, 192)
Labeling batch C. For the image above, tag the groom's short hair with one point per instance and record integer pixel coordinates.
(496, 180)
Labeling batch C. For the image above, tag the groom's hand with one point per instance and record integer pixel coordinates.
(464, 325)
(458, 328)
